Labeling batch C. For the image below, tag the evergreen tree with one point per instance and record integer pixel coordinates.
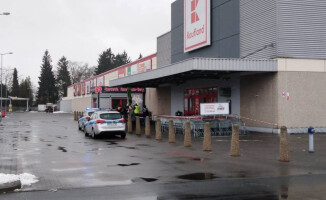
(140, 56)
(105, 62)
(47, 91)
(26, 90)
(15, 84)
(63, 79)
(121, 59)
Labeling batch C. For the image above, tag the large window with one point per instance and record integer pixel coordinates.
(194, 97)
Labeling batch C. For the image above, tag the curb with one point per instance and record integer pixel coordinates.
(9, 187)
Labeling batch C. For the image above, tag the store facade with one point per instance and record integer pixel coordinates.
(262, 57)
(96, 92)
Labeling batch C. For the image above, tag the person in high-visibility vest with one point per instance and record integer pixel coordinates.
(137, 110)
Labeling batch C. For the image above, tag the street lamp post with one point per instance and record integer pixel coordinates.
(6, 83)
(2, 54)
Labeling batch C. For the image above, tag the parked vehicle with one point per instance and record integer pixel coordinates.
(85, 118)
(105, 122)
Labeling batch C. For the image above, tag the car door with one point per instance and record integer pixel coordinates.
(89, 124)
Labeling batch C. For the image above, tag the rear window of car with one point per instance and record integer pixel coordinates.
(90, 113)
(110, 116)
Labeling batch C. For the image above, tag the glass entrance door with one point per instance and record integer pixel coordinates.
(194, 97)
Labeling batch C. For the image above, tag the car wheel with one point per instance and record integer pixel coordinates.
(86, 134)
(93, 134)
(123, 135)
(79, 127)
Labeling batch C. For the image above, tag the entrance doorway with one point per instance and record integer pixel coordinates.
(118, 102)
(194, 97)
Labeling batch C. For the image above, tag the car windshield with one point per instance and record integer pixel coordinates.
(90, 113)
(110, 116)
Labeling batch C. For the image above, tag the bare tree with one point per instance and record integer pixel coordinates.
(80, 71)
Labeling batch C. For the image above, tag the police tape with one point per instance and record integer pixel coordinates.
(259, 121)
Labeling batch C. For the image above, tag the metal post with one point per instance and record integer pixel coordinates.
(311, 143)
(27, 106)
(311, 132)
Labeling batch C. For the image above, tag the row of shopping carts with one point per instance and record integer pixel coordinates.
(220, 125)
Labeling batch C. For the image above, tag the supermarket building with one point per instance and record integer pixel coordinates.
(267, 58)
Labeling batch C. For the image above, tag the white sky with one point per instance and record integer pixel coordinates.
(79, 30)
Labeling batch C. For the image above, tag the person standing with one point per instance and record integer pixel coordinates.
(137, 110)
(145, 113)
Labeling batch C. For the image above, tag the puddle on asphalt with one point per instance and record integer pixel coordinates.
(142, 179)
(111, 143)
(198, 176)
(149, 179)
(63, 149)
(27, 131)
(128, 147)
(49, 145)
(127, 165)
(143, 145)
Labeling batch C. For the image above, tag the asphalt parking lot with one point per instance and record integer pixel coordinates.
(51, 147)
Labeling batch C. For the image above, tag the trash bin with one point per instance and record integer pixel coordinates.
(3, 113)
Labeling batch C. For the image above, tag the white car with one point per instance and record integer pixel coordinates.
(105, 122)
(84, 119)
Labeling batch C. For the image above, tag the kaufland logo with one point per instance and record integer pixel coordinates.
(196, 24)
(194, 15)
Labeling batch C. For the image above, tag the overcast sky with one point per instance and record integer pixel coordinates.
(79, 30)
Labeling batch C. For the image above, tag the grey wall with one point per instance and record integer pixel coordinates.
(302, 28)
(177, 92)
(258, 29)
(66, 105)
(225, 31)
(164, 50)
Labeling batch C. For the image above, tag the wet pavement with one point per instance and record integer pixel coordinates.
(72, 166)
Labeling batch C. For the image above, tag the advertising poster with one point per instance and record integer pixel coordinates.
(144, 66)
(100, 81)
(128, 71)
(93, 83)
(122, 72)
(134, 69)
(214, 109)
(88, 87)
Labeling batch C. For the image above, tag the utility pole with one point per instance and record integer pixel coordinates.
(2, 54)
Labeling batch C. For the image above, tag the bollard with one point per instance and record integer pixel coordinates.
(147, 127)
(138, 129)
(284, 147)
(75, 115)
(311, 132)
(158, 130)
(235, 149)
(171, 132)
(187, 137)
(129, 124)
(207, 142)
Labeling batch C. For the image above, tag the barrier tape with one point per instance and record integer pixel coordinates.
(259, 121)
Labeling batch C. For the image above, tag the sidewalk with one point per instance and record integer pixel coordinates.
(259, 155)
